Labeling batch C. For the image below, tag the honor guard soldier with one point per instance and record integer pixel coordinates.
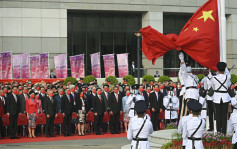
(210, 105)
(140, 127)
(194, 128)
(171, 104)
(132, 99)
(220, 84)
(183, 120)
(233, 122)
(190, 81)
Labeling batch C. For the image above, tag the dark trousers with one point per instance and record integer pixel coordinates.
(13, 125)
(210, 106)
(115, 122)
(221, 116)
(50, 125)
(98, 123)
(67, 124)
(155, 119)
(235, 146)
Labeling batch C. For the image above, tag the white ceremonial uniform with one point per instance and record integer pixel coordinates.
(134, 127)
(207, 86)
(189, 127)
(203, 102)
(220, 91)
(233, 120)
(130, 103)
(173, 106)
(181, 82)
(182, 121)
(190, 83)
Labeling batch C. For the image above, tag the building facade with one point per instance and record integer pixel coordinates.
(105, 26)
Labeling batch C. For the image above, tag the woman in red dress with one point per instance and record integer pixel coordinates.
(31, 110)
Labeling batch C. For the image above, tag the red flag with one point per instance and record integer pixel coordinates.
(199, 38)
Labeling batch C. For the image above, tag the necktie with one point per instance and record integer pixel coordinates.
(15, 98)
(25, 98)
(100, 99)
(106, 95)
(68, 98)
(51, 99)
(117, 97)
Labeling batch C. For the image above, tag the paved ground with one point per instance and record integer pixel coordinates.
(113, 143)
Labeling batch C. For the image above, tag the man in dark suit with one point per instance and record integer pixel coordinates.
(75, 98)
(105, 94)
(132, 69)
(144, 94)
(156, 103)
(67, 109)
(13, 103)
(98, 109)
(50, 112)
(42, 95)
(23, 97)
(115, 105)
(52, 74)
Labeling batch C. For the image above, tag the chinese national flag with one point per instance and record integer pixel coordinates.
(199, 38)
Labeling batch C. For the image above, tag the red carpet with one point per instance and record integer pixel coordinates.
(60, 138)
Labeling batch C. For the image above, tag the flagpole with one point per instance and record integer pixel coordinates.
(223, 30)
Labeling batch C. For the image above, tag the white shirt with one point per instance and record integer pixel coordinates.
(215, 85)
(207, 86)
(181, 82)
(133, 128)
(174, 104)
(131, 104)
(189, 127)
(189, 80)
(180, 130)
(203, 102)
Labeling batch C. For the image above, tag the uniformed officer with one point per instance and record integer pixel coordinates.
(132, 99)
(210, 105)
(233, 122)
(220, 84)
(140, 127)
(190, 81)
(194, 128)
(182, 95)
(183, 120)
(202, 101)
(171, 104)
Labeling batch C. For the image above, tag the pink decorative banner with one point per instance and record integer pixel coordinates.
(109, 65)
(95, 65)
(60, 62)
(122, 60)
(74, 66)
(6, 65)
(77, 66)
(80, 59)
(16, 66)
(25, 66)
(44, 65)
(35, 67)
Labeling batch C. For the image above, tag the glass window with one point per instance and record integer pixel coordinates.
(106, 32)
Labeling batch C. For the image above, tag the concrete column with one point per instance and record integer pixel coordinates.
(155, 20)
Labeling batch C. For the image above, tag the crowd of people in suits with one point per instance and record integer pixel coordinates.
(176, 101)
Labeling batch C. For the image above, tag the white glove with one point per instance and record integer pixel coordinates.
(169, 96)
(170, 105)
(181, 57)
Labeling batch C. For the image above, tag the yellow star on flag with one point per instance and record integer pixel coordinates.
(206, 15)
(195, 29)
